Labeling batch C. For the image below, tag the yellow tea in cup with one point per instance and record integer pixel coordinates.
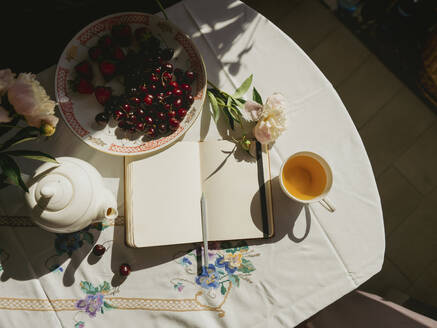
(304, 177)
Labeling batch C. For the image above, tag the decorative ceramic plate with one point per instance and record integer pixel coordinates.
(79, 110)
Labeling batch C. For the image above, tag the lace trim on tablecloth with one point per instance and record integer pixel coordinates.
(120, 303)
(25, 221)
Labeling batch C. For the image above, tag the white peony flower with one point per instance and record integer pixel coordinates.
(252, 111)
(31, 100)
(6, 80)
(273, 119)
(4, 116)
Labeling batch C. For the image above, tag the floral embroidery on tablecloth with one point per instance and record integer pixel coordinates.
(94, 301)
(228, 263)
(79, 324)
(56, 268)
(68, 243)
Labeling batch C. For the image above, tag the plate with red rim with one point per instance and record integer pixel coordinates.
(79, 110)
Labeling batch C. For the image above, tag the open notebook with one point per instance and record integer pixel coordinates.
(163, 194)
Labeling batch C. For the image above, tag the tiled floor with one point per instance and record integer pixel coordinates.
(400, 135)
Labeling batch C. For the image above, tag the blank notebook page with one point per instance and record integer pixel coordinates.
(165, 197)
(232, 192)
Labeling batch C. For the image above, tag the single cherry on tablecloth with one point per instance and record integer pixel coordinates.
(99, 250)
(125, 269)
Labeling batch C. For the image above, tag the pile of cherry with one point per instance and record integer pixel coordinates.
(156, 95)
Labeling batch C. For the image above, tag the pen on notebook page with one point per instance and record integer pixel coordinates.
(204, 230)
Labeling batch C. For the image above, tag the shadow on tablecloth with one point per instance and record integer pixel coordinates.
(33, 252)
(285, 217)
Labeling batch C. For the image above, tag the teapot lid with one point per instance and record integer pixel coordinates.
(59, 194)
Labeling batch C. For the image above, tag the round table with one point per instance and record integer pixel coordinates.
(314, 258)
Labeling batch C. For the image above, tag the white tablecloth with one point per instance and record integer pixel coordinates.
(314, 258)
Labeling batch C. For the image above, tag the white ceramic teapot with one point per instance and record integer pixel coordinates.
(69, 196)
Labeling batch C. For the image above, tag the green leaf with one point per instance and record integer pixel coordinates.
(87, 287)
(244, 269)
(33, 154)
(105, 287)
(214, 105)
(25, 134)
(231, 120)
(235, 279)
(98, 226)
(256, 96)
(12, 171)
(240, 102)
(221, 102)
(223, 290)
(246, 266)
(243, 87)
(101, 310)
(79, 324)
(235, 113)
(6, 127)
(229, 102)
(231, 250)
(215, 92)
(107, 305)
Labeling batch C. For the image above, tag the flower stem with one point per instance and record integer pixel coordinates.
(222, 93)
(213, 85)
(162, 9)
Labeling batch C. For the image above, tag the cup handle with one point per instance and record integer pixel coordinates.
(327, 203)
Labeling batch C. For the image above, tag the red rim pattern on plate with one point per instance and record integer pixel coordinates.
(67, 106)
(106, 24)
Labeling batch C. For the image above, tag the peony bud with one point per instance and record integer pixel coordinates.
(245, 144)
(47, 129)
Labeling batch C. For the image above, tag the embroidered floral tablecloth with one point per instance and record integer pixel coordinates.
(315, 257)
(59, 258)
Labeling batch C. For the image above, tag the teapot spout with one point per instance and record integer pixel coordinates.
(108, 206)
(110, 212)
